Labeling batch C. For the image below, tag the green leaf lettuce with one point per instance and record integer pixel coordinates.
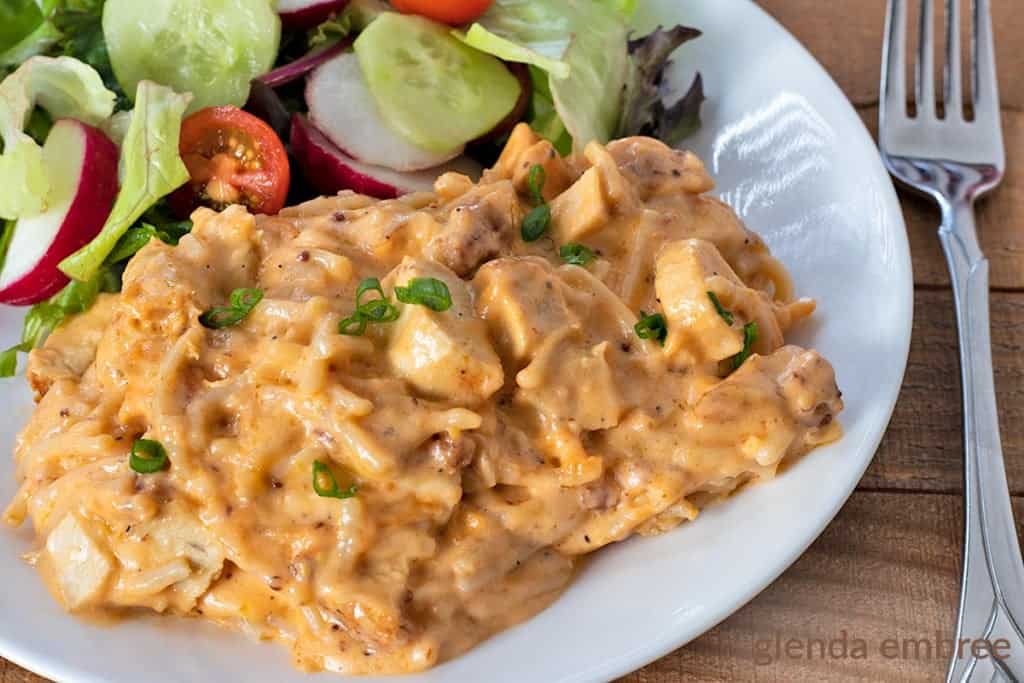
(62, 86)
(151, 169)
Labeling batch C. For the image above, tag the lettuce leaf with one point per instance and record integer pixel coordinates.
(625, 8)
(151, 167)
(644, 110)
(44, 317)
(18, 20)
(38, 42)
(64, 87)
(581, 44)
(542, 116)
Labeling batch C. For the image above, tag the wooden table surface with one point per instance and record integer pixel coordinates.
(888, 567)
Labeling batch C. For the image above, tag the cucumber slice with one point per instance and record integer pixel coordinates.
(430, 87)
(210, 48)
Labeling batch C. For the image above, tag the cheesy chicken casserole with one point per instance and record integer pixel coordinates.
(382, 473)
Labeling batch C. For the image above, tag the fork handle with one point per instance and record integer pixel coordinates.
(992, 589)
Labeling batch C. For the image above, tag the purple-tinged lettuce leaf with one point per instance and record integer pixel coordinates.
(644, 109)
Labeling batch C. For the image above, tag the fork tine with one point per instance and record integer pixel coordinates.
(894, 64)
(925, 72)
(985, 88)
(954, 80)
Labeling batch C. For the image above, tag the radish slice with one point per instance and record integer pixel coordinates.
(83, 163)
(293, 71)
(330, 170)
(300, 14)
(343, 109)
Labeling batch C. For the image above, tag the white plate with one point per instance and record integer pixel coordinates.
(793, 158)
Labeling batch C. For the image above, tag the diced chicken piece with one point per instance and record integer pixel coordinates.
(480, 227)
(590, 202)
(71, 348)
(797, 396)
(524, 150)
(521, 301)
(572, 383)
(478, 549)
(580, 210)
(444, 354)
(176, 535)
(81, 566)
(655, 169)
(685, 271)
(808, 383)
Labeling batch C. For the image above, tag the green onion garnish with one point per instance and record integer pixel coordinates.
(726, 315)
(425, 291)
(535, 182)
(576, 254)
(370, 284)
(749, 339)
(352, 326)
(536, 223)
(147, 456)
(326, 486)
(652, 326)
(378, 310)
(240, 305)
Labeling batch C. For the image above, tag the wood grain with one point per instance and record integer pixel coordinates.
(887, 567)
(922, 448)
(846, 37)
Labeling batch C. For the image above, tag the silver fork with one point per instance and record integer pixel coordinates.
(955, 161)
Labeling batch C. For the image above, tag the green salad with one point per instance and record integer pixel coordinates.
(119, 117)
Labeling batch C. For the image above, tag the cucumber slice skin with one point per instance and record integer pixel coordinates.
(434, 90)
(210, 48)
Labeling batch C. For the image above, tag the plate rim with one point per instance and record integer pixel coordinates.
(54, 667)
(891, 206)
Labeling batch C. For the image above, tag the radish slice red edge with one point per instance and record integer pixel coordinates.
(330, 170)
(84, 177)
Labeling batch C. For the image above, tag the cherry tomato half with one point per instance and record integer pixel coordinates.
(232, 158)
(452, 12)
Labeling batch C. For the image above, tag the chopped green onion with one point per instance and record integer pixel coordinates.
(242, 302)
(373, 311)
(749, 339)
(147, 456)
(576, 254)
(726, 315)
(379, 311)
(246, 298)
(652, 326)
(426, 291)
(535, 182)
(370, 284)
(353, 326)
(376, 310)
(536, 223)
(326, 486)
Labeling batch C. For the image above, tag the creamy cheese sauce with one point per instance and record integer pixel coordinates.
(492, 445)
